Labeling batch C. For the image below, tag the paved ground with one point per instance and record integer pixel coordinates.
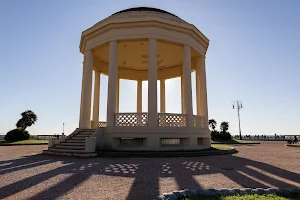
(25, 175)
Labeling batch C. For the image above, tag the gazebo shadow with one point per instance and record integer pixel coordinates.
(146, 173)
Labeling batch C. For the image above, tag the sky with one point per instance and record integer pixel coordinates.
(253, 56)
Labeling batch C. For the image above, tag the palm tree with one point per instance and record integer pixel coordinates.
(212, 124)
(224, 126)
(28, 119)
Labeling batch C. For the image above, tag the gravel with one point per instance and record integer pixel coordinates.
(26, 174)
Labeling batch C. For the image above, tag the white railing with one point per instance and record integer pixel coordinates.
(163, 120)
(131, 119)
(199, 121)
(172, 120)
(102, 124)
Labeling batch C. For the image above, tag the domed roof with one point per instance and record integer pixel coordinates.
(145, 9)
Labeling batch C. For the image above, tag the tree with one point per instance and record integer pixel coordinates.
(212, 124)
(16, 135)
(224, 126)
(28, 119)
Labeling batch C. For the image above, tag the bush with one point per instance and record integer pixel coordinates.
(17, 135)
(225, 136)
(215, 135)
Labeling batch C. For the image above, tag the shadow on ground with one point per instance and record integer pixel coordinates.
(146, 173)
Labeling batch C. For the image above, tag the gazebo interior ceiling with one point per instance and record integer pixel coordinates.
(134, 54)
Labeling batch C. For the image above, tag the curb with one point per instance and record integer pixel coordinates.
(177, 195)
(22, 144)
(236, 143)
(292, 145)
(165, 154)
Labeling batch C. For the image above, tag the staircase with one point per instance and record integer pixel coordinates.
(73, 145)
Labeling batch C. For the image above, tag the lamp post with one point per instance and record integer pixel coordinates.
(238, 105)
(63, 129)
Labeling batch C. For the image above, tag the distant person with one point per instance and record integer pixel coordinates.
(295, 140)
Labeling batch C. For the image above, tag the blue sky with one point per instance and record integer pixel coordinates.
(254, 56)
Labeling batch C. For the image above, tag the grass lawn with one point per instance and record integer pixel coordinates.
(293, 145)
(250, 197)
(25, 142)
(221, 147)
(243, 141)
(234, 141)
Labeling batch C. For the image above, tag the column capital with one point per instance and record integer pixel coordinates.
(202, 56)
(116, 41)
(152, 38)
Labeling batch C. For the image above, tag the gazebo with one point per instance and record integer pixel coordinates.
(141, 44)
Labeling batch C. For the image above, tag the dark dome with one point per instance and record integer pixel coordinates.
(145, 9)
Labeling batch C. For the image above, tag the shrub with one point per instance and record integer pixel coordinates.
(17, 135)
(215, 135)
(225, 136)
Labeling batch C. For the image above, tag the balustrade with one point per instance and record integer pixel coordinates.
(163, 120)
(131, 119)
(172, 120)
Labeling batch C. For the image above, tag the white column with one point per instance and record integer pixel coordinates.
(198, 86)
(182, 95)
(81, 96)
(96, 99)
(152, 84)
(118, 95)
(112, 83)
(162, 96)
(139, 102)
(188, 103)
(202, 91)
(86, 91)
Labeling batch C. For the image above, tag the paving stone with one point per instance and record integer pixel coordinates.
(200, 193)
(260, 191)
(224, 192)
(248, 190)
(273, 190)
(268, 191)
(212, 192)
(180, 194)
(191, 193)
(206, 192)
(243, 192)
(297, 190)
(284, 191)
(236, 191)
(170, 196)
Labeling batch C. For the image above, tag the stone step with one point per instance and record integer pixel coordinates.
(84, 136)
(70, 154)
(78, 138)
(88, 132)
(75, 147)
(73, 143)
(55, 149)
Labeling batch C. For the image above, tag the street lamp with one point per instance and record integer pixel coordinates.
(63, 133)
(238, 105)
